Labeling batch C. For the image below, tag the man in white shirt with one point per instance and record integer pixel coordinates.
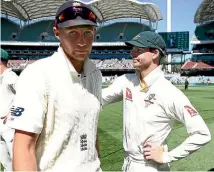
(58, 100)
(150, 104)
(7, 91)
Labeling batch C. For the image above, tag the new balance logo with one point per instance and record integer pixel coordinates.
(16, 111)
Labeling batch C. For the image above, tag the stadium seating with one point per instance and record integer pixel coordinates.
(109, 56)
(205, 57)
(9, 30)
(113, 63)
(205, 32)
(43, 31)
(39, 31)
(120, 32)
(133, 29)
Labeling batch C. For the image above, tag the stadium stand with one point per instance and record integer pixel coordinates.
(203, 42)
(205, 31)
(117, 24)
(42, 31)
(120, 31)
(9, 30)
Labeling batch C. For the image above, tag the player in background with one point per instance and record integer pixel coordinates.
(7, 91)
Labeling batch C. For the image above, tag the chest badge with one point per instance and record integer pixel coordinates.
(128, 94)
(150, 99)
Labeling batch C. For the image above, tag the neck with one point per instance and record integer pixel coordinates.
(78, 65)
(145, 72)
(3, 68)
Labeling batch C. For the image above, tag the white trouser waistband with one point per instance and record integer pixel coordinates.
(134, 165)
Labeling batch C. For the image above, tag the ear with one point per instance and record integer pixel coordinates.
(56, 32)
(94, 32)
(156, 54)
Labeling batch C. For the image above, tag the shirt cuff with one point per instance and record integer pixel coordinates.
(166, 157)
(28, 128)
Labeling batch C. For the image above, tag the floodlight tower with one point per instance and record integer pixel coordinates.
(169, 26)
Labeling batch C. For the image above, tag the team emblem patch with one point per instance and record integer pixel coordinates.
(150, 99)
(136, 37)
(191, 111)
(128, 94)
(76, 4)
(83, 142)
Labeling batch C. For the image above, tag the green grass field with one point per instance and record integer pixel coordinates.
(110, 134)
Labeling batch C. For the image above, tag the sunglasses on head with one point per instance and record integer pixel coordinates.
(72, 13)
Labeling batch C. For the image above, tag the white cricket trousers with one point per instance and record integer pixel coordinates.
(132, 165)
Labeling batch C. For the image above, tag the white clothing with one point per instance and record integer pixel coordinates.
(5, 158)
(7, 91)
(148, 115)
(55, 102)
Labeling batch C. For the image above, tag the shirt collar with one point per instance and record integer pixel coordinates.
(88, 66)
(150, 79)
(153, 76)
(6, 71)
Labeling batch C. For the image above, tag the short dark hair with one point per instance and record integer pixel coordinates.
(161, 55)
(4, 61)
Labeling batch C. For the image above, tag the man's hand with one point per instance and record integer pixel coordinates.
(153, 152)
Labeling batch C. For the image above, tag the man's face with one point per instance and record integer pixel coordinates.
(142, 58)
(77, 41)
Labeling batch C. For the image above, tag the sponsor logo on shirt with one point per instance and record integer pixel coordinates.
(191, 111)
(150, 99)
(83, 142)
(16, 111)
(128, 94)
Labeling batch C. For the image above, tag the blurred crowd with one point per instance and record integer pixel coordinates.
(114, 64)
(177, 79)
(101, 64)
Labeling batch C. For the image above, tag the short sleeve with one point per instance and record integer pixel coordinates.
(29, 106)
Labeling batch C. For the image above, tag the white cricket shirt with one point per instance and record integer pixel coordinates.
(7, 90)
(55, 102)
(148, 115)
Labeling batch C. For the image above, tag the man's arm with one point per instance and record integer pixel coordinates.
(114, 92)
(199, 135)
(27, 117)
(24, 158)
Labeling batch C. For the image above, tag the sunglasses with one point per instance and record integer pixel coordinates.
(73, 12)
